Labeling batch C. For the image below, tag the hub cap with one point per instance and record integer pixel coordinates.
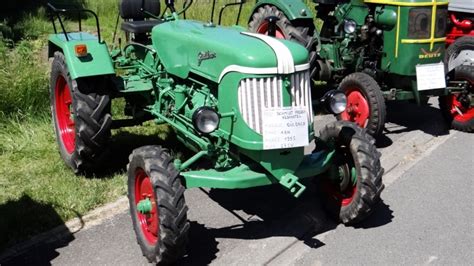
(263, 29)
(341, 187)
(357, 108)
(458, 111)
(64, 114)
(460, 58)
(147, 211)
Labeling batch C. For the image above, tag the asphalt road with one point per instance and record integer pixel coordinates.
(426, 215)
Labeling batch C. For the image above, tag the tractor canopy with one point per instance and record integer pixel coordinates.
(212, 51)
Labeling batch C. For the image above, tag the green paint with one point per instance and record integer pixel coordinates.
(292, 8)
(239, 177)
(291, 182)
(223, 46)
(354, 175)
(144, 206)
(98, 62)
(404, 63)
(355, 10)
(246, 176)
(386, 17)
(191, 160)
(399, 95)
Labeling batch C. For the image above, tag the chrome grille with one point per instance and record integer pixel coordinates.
(255, 94)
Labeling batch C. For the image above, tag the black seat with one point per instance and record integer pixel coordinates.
(137, 21)
(139, 26)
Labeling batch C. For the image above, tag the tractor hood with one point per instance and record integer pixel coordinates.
(185, 46)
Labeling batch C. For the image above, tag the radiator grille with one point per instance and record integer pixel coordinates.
(255, 94)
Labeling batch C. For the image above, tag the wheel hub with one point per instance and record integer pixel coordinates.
(357, 108)
(346, 177)
(144, 206)
(461, 109)
(343, 184)
(147, 210)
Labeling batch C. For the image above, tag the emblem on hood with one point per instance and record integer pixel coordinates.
(424, 54)
(205, 56)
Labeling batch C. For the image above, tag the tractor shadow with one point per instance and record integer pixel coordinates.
(123, 143)
(19, 222)
(266, 212)
(403, 117)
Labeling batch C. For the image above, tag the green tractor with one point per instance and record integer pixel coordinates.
(375, 51)
(241, 102)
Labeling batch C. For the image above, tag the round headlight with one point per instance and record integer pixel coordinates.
(206, 120)
(338, 102)
(350, 26)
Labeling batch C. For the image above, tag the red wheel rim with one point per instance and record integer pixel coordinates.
(342, 198)
(357, 109)
(65, 121)
(347, 196)
(263, 29)
(148, 222)
(458, 111)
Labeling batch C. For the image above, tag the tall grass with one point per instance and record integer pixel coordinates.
(30, 168)
(23, 78)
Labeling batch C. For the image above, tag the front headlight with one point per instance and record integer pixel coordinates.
(335, 101)
(350, 26)
(206, 120)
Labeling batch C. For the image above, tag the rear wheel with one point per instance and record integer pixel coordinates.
(351, 190)
(460, 52)
(300, 31)
(457, 108)
(157, 205)
(81, 117)
(365, 102)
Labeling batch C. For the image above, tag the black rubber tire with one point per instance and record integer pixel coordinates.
(459, 45)
(373, 94)
(354, 142)
(91, 114)
(300, 31)
(462, 72)
(169, 192)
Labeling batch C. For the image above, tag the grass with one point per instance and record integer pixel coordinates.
(23, 78)
(37, 191)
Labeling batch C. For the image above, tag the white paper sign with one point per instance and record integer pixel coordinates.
(430, 76)
(285, 127)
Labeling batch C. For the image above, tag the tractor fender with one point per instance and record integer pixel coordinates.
(97, 61)
(293, 9)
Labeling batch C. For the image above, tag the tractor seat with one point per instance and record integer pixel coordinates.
(137, 21)
(139, 26)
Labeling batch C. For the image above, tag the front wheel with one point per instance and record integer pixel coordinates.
(457, 108)
(351, 189)
(365, 103)
(157, 205)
